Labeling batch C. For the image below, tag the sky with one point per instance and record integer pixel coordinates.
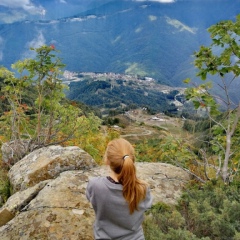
(160, 1)
(19, 10)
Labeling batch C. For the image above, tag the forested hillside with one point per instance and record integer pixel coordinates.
(121, 92)
(129, 37)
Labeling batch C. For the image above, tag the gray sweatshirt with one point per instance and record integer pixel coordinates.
(113, 220)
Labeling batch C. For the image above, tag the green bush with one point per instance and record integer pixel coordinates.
(4, 186)
(213, 211)
(165, 222)
(153, 230)
(210, 212)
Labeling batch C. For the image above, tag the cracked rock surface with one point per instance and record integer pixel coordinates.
(55, 207)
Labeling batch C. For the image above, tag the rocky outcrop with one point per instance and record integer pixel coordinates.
(47, 163)
(13, 151)
(55, 206)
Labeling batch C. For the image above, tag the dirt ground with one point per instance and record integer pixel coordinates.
(140, 125)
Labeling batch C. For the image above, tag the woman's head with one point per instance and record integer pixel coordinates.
(120, 157)
(117, 153)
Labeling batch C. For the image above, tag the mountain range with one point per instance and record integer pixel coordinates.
(143, 38)
(119, 93)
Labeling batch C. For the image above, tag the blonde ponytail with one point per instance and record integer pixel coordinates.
(121, 158)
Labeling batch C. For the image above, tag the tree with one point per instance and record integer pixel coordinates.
(49, 119)
(222, 59)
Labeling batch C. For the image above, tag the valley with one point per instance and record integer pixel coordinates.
(122, 92)
(137, 125)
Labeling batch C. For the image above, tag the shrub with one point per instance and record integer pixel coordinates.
(4, 186)
(211, 211)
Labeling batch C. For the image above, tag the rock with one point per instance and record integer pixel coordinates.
(165, 180)
(50, 202)
(20, 199)
(13, 151)
(47, 163)
(60, 210)
(6, 216)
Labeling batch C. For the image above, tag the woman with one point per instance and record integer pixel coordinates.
(120, 199)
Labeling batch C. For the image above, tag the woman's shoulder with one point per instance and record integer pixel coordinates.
(96, 179)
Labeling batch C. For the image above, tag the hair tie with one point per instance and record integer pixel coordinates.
(125, 156)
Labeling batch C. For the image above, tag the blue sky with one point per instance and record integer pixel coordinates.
(160, 1)
(18, 10)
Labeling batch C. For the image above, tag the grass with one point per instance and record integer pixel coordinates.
(4, 186)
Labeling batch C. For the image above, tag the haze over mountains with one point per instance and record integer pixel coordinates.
(147, 38)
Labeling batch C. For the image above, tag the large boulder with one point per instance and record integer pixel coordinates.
(59, 211)
(13, 151)
(56, 207)
(47, 163)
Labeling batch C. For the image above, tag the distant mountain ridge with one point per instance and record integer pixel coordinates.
(119, 92)
(139, 38)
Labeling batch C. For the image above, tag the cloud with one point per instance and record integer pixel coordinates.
(180, 26)
(152, 18)
(160, 1)
(12, 17)
(38, 41)
(25, 5)
(62, 1)
(139, 29)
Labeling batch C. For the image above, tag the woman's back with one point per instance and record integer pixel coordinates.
(113, 219)
(119, 200)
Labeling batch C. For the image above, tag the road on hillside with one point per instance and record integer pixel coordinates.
(145, 133)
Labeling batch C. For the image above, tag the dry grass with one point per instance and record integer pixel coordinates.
(4, 186)
(140, 126)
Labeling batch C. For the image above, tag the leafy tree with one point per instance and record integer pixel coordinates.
(49, 119)
(222, 59)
